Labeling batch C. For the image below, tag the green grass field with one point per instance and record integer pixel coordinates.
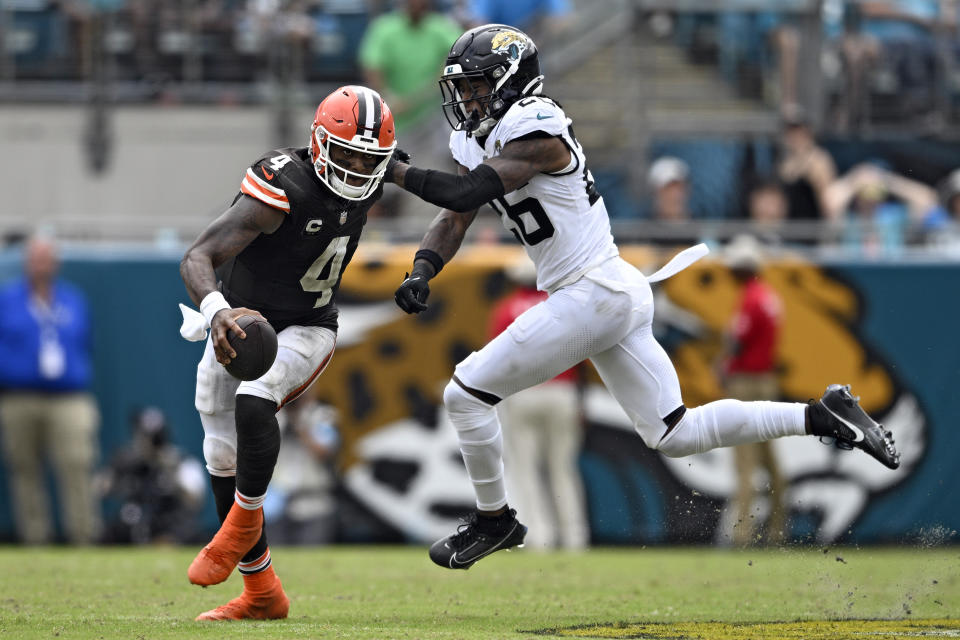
(389, 592)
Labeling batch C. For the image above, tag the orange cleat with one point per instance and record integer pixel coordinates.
(237, 535)
(262, 599)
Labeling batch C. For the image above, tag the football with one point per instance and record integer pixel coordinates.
(256, 352)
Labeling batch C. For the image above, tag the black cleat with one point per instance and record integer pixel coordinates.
(477, 538)
(838, 415)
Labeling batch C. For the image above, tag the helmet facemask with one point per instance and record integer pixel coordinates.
(339, 177)
(491, 92)
(485, 103)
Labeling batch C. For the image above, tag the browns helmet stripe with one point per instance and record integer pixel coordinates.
(369, 116)
(377, 118)
(361, 109)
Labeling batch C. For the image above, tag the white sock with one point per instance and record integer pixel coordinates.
(256, 565)
(247, 502)
(481, 444)
(726, 423)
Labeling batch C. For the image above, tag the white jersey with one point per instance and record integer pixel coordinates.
(558, 217)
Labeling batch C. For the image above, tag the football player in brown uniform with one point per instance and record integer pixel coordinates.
(278, 251)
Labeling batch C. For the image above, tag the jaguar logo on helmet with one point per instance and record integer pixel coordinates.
(510, 44)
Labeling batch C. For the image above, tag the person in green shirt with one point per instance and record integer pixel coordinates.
(402, 54)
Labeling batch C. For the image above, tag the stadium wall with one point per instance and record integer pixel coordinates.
(169, 165)
(887, 329)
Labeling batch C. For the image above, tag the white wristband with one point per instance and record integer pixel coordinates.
(211, 304)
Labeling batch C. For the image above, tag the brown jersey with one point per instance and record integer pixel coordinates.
(291, 275)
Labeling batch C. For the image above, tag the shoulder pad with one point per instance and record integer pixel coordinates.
(264, 182)
(528, 115)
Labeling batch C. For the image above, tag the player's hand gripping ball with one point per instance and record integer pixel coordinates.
(256, 352)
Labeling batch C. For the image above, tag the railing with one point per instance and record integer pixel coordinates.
(854, 240)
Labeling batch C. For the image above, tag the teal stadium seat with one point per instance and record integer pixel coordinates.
(336, 42)
(38, 41)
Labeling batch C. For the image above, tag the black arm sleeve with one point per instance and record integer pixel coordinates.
(457, 193)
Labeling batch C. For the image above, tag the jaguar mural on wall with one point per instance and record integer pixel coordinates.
(401, 460)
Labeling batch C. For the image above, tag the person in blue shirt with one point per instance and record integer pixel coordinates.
(47, 413)
(541, 18)
(876, 208)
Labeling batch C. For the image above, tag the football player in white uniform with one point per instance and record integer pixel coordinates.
(517, 151)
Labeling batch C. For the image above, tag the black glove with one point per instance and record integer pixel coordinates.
(412, 294)
(399, 155)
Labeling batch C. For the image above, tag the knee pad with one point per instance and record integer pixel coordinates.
(459, 402)
(220, 443)
(220, 455)
(475, 420)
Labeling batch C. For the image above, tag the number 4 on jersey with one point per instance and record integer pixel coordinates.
(277, 162)
(332, 255)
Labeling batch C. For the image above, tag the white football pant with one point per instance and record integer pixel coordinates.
(302, 355)
(605, 316)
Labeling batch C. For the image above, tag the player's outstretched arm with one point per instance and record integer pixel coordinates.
(224, 238)
(519, 161)
(440, 243)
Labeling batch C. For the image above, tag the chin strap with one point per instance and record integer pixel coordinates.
(484, 127)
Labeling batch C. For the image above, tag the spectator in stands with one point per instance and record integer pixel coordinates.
(942, 226)
(859, 52)
(543, 437)
(301, 502)
(876, 207)
(784, 40)
(767, 210)
(902, 17)
(279, 34)
(540, 19)
(402, 53)
(47, 412)
(750, 373)
(949, 190)
(905, 34)
(160, 489)
(78, 17)
(804, 168)
(669, 181)
(752, 44)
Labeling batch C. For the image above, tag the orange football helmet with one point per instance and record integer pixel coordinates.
(357, 120)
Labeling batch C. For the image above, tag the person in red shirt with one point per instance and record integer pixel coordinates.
(543, 434)
(750, 374)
